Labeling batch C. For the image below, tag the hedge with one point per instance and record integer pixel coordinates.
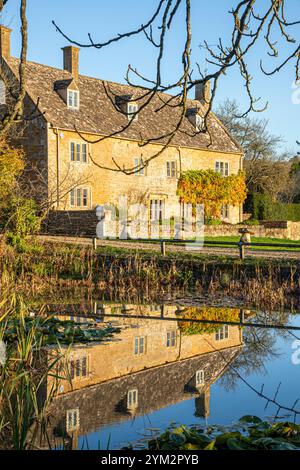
(262, 207)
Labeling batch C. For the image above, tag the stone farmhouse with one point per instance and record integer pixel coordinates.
(68, 110)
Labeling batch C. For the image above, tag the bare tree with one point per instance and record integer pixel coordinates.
(14, 113)
(267, 170)
(252, 22)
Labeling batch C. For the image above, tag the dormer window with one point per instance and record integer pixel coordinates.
(132, 110)
(2, 92)
(199, 123)
(73, 99)
(196, 119)
(200, 378)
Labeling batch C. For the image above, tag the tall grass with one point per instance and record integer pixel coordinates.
(23, 374)
(53, 266)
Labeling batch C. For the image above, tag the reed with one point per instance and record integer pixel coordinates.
(57, 267)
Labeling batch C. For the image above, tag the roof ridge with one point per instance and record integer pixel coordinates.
(91, 119)
(140, 87)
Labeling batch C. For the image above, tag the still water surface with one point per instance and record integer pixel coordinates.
(160, 369)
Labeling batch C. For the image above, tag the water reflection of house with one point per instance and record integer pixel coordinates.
(151, 364)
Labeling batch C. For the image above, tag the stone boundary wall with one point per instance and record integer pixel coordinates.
(83, 224)
(274, 229)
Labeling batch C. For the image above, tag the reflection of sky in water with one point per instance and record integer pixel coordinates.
(226, 406)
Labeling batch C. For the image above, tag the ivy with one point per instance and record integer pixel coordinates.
(211, 189)
(203, 313)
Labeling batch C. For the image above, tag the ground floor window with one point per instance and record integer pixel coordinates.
(171, 339)
(222, 333)
(79, 197)
(72, 420)
(225, 211)
(157, 209)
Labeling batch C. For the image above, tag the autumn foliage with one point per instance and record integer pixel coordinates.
(11, 166)
(211, 189)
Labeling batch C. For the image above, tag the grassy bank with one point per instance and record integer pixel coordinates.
(130, 272)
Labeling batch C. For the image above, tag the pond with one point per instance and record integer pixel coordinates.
(173, 364)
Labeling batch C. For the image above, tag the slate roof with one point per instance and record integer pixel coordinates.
(98, 116)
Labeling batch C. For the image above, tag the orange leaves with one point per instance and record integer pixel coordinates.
(209, 188)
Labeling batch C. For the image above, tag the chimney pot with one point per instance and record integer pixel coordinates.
(202, 92)
(5, 42)
(71, 60)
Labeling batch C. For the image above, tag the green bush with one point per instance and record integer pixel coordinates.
(19, 217)
(251, 222)
(262, 207)
(213, 222)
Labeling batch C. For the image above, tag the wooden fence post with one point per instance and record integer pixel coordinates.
(242, 250)
(163, 247)
(95, 243)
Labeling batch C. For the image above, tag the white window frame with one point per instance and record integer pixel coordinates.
(74, 147)
(2, 92)
(199, 122)
(157, 209)
(140, 345)
(200, 378)
(222, 167)
(139, 171)
(76, 368)
(171, 339)
(222, 333)
(172, 169)
(71, 423)
(132, 108)
(77, 197)
(132, 398)
(225, 211)
(71, 101)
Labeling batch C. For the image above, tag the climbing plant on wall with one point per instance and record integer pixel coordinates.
(211, 189)
(203, 313)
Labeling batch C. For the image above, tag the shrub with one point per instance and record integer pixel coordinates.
(263, 207)
(19, 217)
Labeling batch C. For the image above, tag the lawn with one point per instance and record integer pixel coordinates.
(258, 240)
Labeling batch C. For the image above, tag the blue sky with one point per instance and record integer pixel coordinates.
(104, 18)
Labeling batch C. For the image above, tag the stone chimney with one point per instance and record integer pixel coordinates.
(5, 42)
(202, 92)
(71, 60)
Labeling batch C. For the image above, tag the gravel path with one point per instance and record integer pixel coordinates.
(174, 248)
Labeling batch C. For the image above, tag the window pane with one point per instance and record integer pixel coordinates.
(168, 169)
(136, 165)
(78, 197)
(72, 370)
(72, 197)
(136, 346)
(217, 167)
(173, 169)
(2, 92)
(75, 94)
(78, 368)
(85, 197)
(72, 152)
(84, 367)
(78, 148)
(84, 153)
